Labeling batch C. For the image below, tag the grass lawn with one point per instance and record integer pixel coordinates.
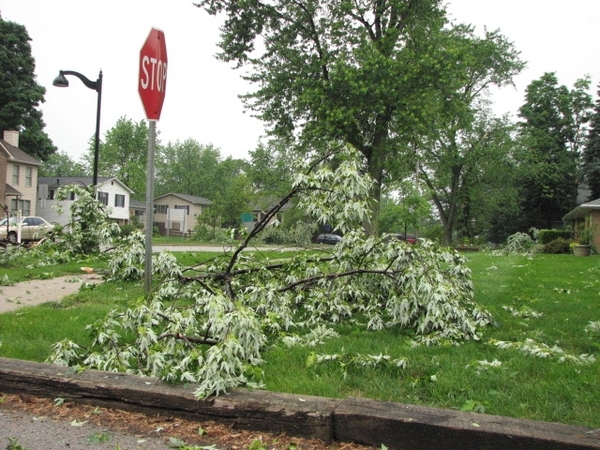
(549, 298)
(564, 289)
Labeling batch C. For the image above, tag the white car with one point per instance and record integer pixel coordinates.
(32, 229)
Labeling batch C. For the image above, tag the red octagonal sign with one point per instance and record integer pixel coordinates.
(152, 82)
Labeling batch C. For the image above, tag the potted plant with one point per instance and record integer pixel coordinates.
(585, 239)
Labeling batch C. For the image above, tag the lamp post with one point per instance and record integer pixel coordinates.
(61, 81)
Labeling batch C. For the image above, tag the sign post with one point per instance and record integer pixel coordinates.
(152, 85)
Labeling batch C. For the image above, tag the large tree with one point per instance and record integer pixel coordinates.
(20, 95)
(188, 167)
(462, 141)
(553, 129)
(464, 168)
(591, 154)
(340, 70)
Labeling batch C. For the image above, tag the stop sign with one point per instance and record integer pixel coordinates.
(152, 82)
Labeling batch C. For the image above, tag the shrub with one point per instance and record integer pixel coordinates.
(557, 246)
(299, 235)
(127, 229)
(547, 236)
(206, 233)
(519, 243)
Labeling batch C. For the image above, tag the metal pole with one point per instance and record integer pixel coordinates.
(149, 206)
(97, 137)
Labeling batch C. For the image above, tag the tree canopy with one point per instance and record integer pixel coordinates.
(366, 73)
(60, 164)
(591, 154)
(552, 129)
(20, 95)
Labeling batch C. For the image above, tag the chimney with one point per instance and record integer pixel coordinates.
(12, 137)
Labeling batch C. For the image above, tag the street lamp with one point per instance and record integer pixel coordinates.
(61, 81)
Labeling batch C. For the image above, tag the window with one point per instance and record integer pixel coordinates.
(103, 197)
(186, 207)
(15, 177)
(51, 194)
(28, 176)
(23, 205)
(160, 209)
(71, 195)
(120, 200)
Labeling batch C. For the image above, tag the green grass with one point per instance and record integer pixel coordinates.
(29, 332)
(25, 269)
(563, 288)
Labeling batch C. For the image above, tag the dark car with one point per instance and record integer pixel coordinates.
(328, 238)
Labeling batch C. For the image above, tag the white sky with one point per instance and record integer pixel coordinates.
(201, 98)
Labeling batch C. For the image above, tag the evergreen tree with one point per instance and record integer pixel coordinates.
(20, 95)
(591, 154)
(552, 132)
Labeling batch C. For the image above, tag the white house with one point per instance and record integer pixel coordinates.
(111, 192)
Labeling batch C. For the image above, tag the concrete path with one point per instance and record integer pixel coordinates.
(34, 292)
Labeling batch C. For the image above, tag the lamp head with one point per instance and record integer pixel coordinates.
(60, 80)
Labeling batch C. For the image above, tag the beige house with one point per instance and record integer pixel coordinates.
(18, 176)
(176, 214)
(586, 215)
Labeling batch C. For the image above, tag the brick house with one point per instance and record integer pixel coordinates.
(18, 176)
(586, 215)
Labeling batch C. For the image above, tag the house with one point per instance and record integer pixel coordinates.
(110, 191)
(586, 215)
(177, 213)
(18, 176)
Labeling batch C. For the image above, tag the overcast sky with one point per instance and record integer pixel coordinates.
(201, 98)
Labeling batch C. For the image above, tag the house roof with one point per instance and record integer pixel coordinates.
(11, 191)
(189, 198)
(15, 154)
(54, 182)
(582, 210)
(136, 204)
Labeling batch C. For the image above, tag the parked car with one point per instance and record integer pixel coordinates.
(33, 228)
(328, 238)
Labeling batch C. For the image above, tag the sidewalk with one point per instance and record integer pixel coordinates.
(34, 292)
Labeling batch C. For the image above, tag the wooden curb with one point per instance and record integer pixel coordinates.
(364, 421)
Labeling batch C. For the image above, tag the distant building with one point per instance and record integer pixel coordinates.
(176, 214)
